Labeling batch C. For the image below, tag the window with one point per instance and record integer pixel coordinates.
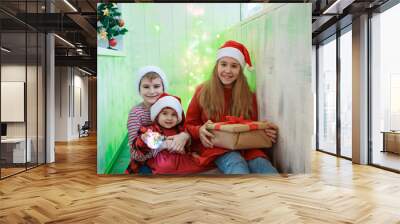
(250, 9)
(327, 96)
(385, 87)
(346, 93)
(22, 69)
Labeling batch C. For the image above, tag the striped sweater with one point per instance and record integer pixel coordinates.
(138, 116)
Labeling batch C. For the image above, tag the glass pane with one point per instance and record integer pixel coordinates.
(22, 63)
(13, 87)
(250, 9)
(31, 100)
(31, 84)
(41, 99)
(386, 89)
(327, 97)
(314, 91)
(346, 94)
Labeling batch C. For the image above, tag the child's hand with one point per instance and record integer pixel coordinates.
(144, 136)
(178, 142)
(272, 131)
(166, 144)
(205, 136)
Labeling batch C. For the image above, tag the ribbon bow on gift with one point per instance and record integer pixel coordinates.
(237, 120)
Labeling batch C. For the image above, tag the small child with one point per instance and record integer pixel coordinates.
(168, 119)
(151, 83)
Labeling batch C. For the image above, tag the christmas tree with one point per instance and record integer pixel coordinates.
(110, 24)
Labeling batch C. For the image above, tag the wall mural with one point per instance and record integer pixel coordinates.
(183, 40)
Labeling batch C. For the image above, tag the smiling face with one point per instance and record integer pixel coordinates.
(167, 118)
(150, 90)
(228, 71)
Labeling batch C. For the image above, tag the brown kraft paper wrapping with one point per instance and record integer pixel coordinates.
(240, 136)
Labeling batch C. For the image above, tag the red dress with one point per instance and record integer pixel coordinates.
(196, 117)
(166, 162)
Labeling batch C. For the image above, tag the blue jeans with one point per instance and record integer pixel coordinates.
(145, 170)
(234, 163)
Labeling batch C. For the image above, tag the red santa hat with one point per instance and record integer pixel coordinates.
(237, 51)
(166, 100)
(151, 68)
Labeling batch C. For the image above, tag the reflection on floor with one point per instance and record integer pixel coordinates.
(386, 159)
(10, 169)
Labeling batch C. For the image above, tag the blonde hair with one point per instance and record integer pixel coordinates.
(151, 76)
(212, 101)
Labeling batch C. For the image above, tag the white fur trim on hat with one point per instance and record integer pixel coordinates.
(231, 52)
(144, 70)
(163, 102)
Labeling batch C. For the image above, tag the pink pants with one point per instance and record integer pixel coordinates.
(173, 163)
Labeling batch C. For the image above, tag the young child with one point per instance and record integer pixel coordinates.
(168, 120)
(151, 83)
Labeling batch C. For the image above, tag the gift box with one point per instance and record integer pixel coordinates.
(237, 133)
